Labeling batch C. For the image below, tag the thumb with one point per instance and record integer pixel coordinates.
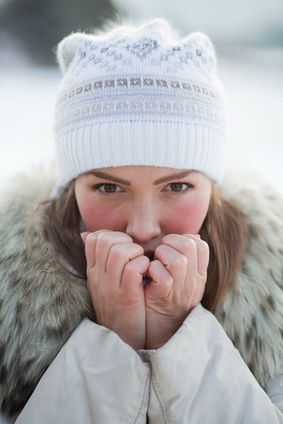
(161, 281)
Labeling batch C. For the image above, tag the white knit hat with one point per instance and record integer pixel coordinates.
(139, 96)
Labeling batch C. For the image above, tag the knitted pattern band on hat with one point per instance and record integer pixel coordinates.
(139, 96)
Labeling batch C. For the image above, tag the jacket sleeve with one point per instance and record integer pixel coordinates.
(95, 378)
(199, 376)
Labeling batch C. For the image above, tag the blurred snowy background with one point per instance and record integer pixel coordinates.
(248, 37)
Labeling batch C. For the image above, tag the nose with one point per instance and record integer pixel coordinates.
(143, 223)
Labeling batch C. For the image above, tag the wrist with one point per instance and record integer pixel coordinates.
(158, 341)
(160, 330)
(153, 346)
(135, 345)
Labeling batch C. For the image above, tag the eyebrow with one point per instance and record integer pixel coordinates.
(104, 175)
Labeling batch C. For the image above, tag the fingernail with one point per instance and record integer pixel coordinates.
(198, 236)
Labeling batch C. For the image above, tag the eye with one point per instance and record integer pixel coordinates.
(106, 188)
(179, 187)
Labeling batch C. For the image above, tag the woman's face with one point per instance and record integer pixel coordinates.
(146, 202)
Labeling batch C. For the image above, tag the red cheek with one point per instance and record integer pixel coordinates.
(185, 219)
(100, 217)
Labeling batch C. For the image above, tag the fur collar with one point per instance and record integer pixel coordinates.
(40, 306)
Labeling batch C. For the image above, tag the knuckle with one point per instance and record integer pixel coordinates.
(170, 237)
(90, 237)
(188, 245)
(107, 237)
(204, 243)
(130, 267)
(137, 248)
(166, 239)
(204, 246)
(127, 237)
(153, 264)
(168, 280)
(160, 249)
(190, 242)
(123, 251)
(122, 236)
(130, 270)
(102, 238)
(118, 252)
(180, 262)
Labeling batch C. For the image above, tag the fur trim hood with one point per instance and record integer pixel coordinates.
(40, 306)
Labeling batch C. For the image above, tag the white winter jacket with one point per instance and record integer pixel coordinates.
(197, 377)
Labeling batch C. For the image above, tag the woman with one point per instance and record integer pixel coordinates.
(146, 290)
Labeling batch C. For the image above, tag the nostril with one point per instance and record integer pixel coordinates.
(142, 232)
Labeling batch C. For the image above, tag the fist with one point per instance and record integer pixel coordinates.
(115, 269)
(178, 276)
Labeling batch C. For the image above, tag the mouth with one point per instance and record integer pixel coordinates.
(149, 254)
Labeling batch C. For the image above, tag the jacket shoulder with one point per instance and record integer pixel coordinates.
(252, 310)
(40, 305)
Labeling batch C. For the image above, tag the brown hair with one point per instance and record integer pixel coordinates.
(224, 230)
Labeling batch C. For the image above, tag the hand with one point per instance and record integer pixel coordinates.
(115, 268)
(178, 281)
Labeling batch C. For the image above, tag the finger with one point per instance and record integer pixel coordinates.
(161, 281)
(193, 236)
(173, 259)
(105, 240)
(186, 245)
(133, 274)
(90, 243)
(119, 255)
(202, 254)
(90, 247)
(203, 258)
